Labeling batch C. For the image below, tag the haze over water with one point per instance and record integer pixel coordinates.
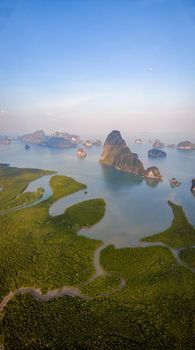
(133, 208)
(97, 65)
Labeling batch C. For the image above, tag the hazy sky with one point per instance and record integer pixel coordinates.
(73, 65)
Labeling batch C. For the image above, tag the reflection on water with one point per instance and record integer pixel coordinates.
(133, 209)
(116, 179)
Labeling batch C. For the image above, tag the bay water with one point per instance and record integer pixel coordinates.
(134, 208)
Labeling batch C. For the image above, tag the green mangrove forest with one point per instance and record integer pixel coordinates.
(55, 296)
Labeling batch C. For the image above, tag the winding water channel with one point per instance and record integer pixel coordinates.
(58, 208)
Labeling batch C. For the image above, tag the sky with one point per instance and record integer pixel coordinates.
(97, 65)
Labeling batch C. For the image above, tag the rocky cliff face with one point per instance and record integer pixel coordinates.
(37, 137)
(153, 173)
(116, 153)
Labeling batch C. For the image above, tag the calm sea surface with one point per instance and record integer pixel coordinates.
(133, 208)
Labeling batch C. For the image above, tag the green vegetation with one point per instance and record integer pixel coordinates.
(155, 309)
(37, 252)
(101, 286)
(153, 312)
(25, 198)
(180, 234)
(134, 263)
(85, 213)
(63, 186)
(14, 181)
(188, 256)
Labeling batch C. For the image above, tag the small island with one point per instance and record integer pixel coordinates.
(156, 153)
(186, 146)
(81, 154)
(153, 173)
(90, 143)
(138, 141)
(174, 182)
(158, 144)
(4, 140)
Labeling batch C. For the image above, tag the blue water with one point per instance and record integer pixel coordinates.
(133, 208)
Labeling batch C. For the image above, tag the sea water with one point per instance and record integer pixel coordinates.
(134, 209)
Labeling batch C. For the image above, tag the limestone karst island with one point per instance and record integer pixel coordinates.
(97, 175)
(116, 153)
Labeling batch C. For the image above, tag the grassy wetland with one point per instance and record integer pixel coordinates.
(142, 299)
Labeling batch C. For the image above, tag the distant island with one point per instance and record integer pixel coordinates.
(186, 146)
(158, 144)
(55, 140)
(81, 153)
(4, 140)
(156, 153)
(116, 153)
(90, 143)
(138, 141)
(174, 182)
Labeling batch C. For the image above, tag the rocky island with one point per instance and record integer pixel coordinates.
(174, 182)
(186, 146)
(4, 140)
(55, 140)
(90, 143)
(158, 144)
(81, 153)
(58, 142)
(73, 139)
(138, 141)
(116, 153)
(37, 137)
(156, 153)
(153, 173)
